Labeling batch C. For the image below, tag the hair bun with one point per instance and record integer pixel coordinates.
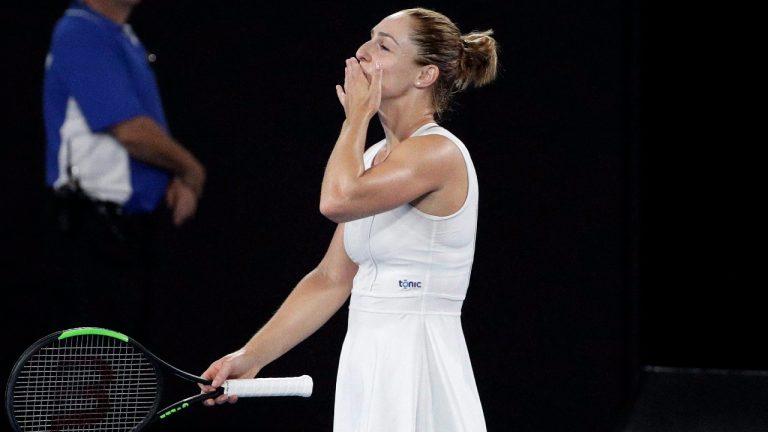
(461, 59)
(478, 61)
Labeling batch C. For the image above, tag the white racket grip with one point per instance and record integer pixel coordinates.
(294, 386)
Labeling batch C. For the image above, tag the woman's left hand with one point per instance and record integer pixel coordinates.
(359, 97)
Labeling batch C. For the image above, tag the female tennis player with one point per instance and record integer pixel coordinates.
(407, 212)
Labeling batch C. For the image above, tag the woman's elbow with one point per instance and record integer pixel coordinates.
(332, 209)
(338, 206)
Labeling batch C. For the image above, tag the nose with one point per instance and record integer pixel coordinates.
(363, 53)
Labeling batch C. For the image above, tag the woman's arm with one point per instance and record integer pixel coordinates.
(311, 303)
(414, 167)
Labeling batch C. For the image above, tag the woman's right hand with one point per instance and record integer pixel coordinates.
(239, 364)
(360, 96)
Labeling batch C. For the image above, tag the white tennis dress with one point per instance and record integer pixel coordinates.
(404, 365)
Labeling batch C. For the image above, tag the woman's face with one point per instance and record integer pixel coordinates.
(391, 47)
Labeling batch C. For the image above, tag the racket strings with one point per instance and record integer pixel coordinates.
(85, 383)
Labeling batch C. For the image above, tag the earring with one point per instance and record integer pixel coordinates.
(418, 83)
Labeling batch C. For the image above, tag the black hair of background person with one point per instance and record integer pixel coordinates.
(552, 310)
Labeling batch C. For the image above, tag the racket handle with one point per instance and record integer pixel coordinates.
(297, 386)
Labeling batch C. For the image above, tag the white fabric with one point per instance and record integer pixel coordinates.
(404, 365)
(99, 161)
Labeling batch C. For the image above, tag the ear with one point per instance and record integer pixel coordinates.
(427, 76)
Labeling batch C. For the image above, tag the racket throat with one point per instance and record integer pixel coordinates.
(186, 403)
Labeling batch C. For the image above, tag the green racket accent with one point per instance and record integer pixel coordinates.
(173, 409)
(93, 331)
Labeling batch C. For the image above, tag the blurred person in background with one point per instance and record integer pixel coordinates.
(112, 167)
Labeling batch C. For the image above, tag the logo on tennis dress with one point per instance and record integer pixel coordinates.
(407, 284)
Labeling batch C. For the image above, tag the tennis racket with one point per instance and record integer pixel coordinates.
(96, 379)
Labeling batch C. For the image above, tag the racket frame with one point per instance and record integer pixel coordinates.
(157, 363)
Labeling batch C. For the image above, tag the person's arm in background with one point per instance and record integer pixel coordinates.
(146, 141)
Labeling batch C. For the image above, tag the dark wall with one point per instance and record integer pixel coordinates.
(701, 239)
(550, 318)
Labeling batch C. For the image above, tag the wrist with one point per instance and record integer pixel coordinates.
(194, 177)
(253, 354)
(358, 120)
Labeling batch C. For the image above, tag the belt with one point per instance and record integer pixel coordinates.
(422, 303)
(72, 207)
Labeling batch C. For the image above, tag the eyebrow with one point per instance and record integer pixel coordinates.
(387, 35)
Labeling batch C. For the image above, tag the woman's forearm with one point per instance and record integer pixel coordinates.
(311, 303)
(345, 166)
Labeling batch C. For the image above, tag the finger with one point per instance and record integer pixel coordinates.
(183, 213)
(209, 374)
(186, 205)
(346, 75)
(221, 399)
(205, 388)
(178, 215)
(233, 399)
(378, 73)
(340, 94)
(355, 70)
(170, 196)
(221, 376)
(183, 209)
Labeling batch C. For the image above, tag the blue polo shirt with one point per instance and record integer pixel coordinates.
(96, 76)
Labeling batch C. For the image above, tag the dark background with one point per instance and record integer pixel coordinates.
(614, 221)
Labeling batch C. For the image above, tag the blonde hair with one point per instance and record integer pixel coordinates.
(463, 60)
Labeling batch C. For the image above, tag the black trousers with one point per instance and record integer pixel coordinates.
(102, 267)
